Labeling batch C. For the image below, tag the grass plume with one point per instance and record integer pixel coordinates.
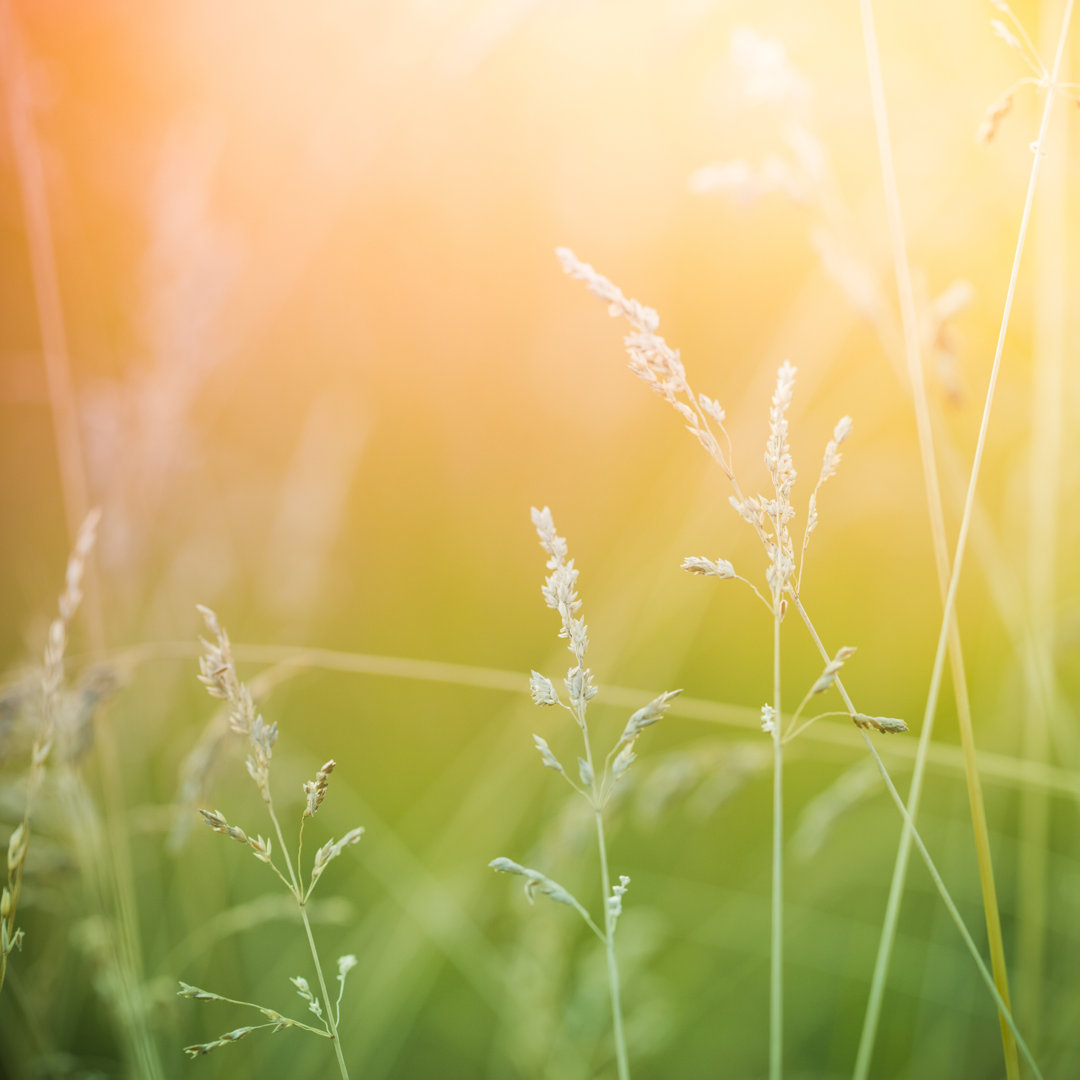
(217, 672)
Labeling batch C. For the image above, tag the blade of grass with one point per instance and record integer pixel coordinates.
(939, 883)
(888, 933)
(1000, 768)
(776, 951)
(73, 481)
(1051, 260)
(909, 321)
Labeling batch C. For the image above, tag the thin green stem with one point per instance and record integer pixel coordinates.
(304, 892)
(892, 910)
(278, 1018)
(331, 1023)
(63, 407)
(909, 824)
(935, 505)
(1001, 768)
(621, 1058)
(954, 913)
(776, 952)
(795, 732)
(1048, 386)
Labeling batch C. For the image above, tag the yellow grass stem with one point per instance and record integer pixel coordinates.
(73, 482)
(1046, 444)
(1001, 768)
(328, 1001)
(622, 1060)
(935, 875)
(776, 951)
(888, 934)
(909, 321)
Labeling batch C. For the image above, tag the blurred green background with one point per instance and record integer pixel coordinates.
(324, 360)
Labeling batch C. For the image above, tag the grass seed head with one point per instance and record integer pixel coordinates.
(315, 790)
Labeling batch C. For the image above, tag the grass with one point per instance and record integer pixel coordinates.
(948, 634)
(218, 675)
(595, 785)
(764, 862)
(654, 361)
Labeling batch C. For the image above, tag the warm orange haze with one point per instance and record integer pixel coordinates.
(316, 319)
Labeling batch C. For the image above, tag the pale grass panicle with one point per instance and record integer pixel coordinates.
(52, 679)
(660, 366)
(1011, 31)
(770, 515)
(764, 71)
(595, 782)
(217, 672)
(800, 171)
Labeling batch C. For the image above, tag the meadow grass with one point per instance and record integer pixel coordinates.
(218, 675)
(46, 731)
(595, 783)
(661, 368)
(949, 570)
(434, 968)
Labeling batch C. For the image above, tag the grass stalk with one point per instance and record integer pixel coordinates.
(1000, 768)
(1051, 259)
(909, 322)
(621, 1057)
(776, 951)
(596, 784)
(74, 486)
(217, 672)
(301, 903)
(892, 911)
(39, 238)
(1004, 1008)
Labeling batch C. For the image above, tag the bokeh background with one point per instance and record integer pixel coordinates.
(322, 360)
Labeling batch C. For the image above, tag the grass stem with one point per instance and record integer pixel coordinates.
(935, 875)
(1044, 506)
(935, 506)
(776, 952)
(892, 911)
(328, 1001)
(621, 1057)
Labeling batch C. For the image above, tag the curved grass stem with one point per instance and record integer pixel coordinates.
(935, 875)
(776, 952)
(948, 574)
(328, 1001)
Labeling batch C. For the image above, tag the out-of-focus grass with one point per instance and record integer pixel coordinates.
(326, 361)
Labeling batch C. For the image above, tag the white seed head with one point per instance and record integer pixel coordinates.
(615, 900)
(542, 689)
(832, 668)
(315, 790)
(535, 882)
(887, 725)
(646, 716)
(549, 759)
(698, 564)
